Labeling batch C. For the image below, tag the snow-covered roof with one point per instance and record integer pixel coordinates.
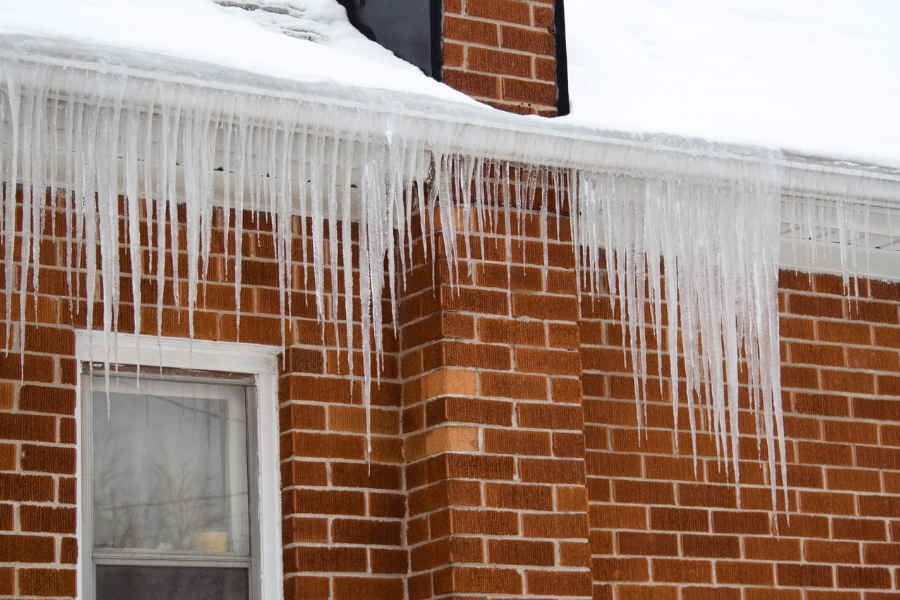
(807, 76)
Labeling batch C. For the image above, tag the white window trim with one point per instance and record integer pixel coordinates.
(257, 360)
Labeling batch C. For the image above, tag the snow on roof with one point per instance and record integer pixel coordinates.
(814, 77)
(214, 37)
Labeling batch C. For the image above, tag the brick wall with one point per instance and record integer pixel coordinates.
(503, 53)
(342, 522)
(505, 454)
(660, 531)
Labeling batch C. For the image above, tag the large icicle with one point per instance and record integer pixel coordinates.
(180, 154)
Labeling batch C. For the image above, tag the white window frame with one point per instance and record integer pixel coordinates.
(252, 359)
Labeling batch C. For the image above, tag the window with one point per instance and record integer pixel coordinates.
(179, 472)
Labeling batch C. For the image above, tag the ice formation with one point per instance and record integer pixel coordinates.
(711, 218)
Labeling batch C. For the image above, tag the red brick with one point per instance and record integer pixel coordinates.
(881, 554)
(868, 408)
(364, 531)
(848, 381)
(821, 551)
(554, 526)
(48, 459)
(558, 583)
(859, 529)
(612, 464)
(745, 522)
(872, 359)
(518, 496)
(521, 552)
(488, 60)
(47, 582)
(304, 530)
(792, 575)
(825, 454)
(854, 480)
(647, 544)
(470, 30)
(878, 458)
(510, 11)
(27, 548)
(710, 593)
(707, 495)
(474, 466)
(297, 472)
(643, 492)
(485, 522)
(536, 92)
(879, 506)
(817, 354)
(565, 390)
(684, 571)
(473, 84)
(326, 445)
(7, 581)
(745, 573)
(816, 306)
(350, 588)
(362, 475)
(545, 307)
(26, 488)
(551, 416)
(513, 385)
(510, 441)
(551, 362)
(383, 560)
(45, 399)
(710, 546)
(477, 580)
(568, 445)
(324, 558)
(481, 356)
(620, 569)
(324, 502)
(831, 503)
(468, 410)
(527, 40)
(47, 519)
(768, 549)
(535, 470)
(618, 517)
(38, 428)
(863, 577)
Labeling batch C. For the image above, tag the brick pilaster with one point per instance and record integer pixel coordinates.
(493, 423)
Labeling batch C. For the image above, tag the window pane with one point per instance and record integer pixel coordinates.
(170, 466)
(170, 583)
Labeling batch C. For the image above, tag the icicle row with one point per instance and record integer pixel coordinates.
(316, 174)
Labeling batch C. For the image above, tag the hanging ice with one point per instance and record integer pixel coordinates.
(709, 218)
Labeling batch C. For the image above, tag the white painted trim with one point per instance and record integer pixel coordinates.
(808, 256)
(252, 359)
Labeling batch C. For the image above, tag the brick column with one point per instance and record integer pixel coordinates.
(503, 53)
(493, 423)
